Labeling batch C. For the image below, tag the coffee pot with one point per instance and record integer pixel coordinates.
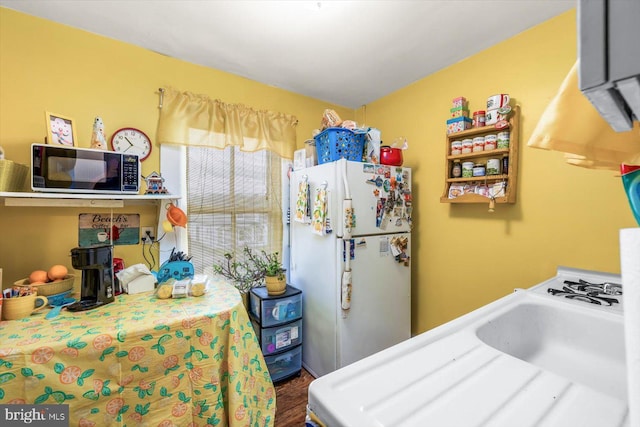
(96, 263)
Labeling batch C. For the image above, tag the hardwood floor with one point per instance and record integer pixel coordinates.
(291, 400)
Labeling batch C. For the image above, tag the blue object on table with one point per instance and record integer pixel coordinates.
(175, 270)
(58, 306)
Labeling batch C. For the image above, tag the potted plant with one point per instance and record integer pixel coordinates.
(275, 279)
(254, 270)
(243, 274)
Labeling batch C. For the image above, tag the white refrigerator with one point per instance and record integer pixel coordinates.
(351, 257)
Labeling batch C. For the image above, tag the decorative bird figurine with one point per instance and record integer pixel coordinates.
(97, 136)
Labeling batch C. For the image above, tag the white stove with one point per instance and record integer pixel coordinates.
(600, 290)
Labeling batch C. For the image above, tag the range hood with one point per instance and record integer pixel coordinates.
(609, 59)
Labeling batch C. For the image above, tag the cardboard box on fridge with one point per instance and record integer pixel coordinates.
(373, 141)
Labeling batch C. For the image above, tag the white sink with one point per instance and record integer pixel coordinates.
(579, 343)
(528, 359)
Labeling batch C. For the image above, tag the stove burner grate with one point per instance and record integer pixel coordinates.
(592, 293)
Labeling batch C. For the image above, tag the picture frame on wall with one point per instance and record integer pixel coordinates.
(61, 129)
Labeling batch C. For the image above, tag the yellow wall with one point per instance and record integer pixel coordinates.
(463, 257)
(45, 66)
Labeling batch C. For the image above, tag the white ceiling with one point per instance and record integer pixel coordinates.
(344, 52)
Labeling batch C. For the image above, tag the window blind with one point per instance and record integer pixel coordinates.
(234, 200)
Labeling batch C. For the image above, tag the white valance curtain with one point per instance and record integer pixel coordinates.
(197, 120)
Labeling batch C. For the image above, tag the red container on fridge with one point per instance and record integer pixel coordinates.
(390, 156)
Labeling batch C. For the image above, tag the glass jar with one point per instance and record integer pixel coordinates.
(456, 169)
(479, 119)
(478, 169)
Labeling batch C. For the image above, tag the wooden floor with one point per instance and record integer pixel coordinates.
(291, 400)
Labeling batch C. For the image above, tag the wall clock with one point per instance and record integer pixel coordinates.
(131, 141)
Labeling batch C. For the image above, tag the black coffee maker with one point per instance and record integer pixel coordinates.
(96, 263)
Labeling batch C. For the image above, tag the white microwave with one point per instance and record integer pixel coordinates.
(56, 168)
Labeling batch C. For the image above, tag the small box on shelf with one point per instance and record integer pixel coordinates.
(458, 124)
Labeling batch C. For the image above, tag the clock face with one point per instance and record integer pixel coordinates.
(131, 141)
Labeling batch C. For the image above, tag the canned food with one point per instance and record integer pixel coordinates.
(467, 169)
(503, 140)
(478, 144)
(493, 166)
(478, 170)
(490, 142)
(456, 148)
(467, 146)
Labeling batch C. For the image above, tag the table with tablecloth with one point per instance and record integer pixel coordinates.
(140, 360)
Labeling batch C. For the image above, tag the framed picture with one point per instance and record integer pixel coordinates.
(60, 129)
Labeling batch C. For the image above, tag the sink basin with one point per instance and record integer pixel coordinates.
(581, 344)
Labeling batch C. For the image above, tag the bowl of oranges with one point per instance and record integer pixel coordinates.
(53, 281)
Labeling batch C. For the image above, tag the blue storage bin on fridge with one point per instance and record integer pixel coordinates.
(339, 143)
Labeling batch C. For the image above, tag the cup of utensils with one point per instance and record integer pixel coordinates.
(20, 302)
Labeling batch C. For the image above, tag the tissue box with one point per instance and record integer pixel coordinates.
(142, 283)
(458, 124)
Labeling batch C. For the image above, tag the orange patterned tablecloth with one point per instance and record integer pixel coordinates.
(142, 361)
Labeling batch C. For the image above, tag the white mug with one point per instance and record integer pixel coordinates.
(497, 101)
(491, 117)
(279, 311)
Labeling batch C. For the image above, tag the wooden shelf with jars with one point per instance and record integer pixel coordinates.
(495, 186)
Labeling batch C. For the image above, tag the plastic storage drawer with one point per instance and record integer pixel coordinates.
(279, 338)
(273, 311)
(284, 365)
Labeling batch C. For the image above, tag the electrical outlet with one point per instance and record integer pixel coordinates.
(148, 234)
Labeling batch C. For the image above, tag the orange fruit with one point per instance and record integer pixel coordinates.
(38, 276)
(136, 354)
(42, 355)
(16, 401)
(97, 386)
(166, 423)
(179, 409)
(114, 405)
(102, 341)
(70, 374)
(57, 272)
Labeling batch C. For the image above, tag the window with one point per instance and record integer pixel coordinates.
(234, 200)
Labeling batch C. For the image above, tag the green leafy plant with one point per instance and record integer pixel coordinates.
(272, 265)
(251, 270)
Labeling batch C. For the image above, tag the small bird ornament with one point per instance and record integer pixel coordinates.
(97, 136)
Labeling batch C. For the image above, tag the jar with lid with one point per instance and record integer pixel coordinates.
(456, 169)
(478, 169)
(467, 169)
(479, 119)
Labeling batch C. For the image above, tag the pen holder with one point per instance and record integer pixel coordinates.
(19, 307)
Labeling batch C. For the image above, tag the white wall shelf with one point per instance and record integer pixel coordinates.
(81, 200)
